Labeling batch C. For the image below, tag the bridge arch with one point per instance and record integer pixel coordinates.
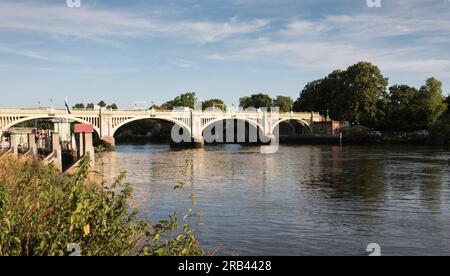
(221, 119)
(302, 122)
(30, 118)
(134, 119)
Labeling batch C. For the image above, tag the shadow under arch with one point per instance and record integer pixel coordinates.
(213, 122)
(253, 132)
(47, 118)
(140, 126)
(305, 125)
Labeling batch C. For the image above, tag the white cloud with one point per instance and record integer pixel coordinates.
(402, 38)
(396, 41)
(182, 63)
(211, 32)
(37, 55)
(104, 26)
(298, 28)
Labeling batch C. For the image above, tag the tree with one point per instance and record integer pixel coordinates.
(403, 108)
(184, 100)
(90, 106)
(113, 107)
(440, 131)
(319, 95)
(363, 97)
(256, 100)
(308, 100)
(78, 106)
(216, 103)
(331, 88)
(156, 107)
(102, 104)
(412, 109)
(447, 102)
(283, 103)
(432, 101)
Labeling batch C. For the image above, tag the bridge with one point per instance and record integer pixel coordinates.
(106, 122)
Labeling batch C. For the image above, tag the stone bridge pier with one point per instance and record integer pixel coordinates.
(106, 130)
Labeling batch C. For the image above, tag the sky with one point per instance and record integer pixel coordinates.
(135, 50)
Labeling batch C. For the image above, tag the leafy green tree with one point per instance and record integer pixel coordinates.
(79, 106)
(358, 94)
(432, 100)
(412, 109)
(102, 104)
(364, 95)
(90, 106)
(256, 100)
(308, 100)
(217, 103)
(319, 95)
(156, 107)
(183, 100)
(447, 102)
(403, 108)
(331, 88)
(113, 107)
(284, 103)
(440, 131)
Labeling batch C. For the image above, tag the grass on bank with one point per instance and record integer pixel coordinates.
(42, 212)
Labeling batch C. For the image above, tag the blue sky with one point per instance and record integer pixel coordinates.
(125, 51)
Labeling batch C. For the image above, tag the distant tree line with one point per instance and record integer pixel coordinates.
(258, 100)
(188, 100)
(360, 95)
(92, 106)
(261, 100)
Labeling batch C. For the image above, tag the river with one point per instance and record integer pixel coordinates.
(302, 200)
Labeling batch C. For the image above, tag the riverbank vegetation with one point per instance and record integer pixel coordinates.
(360, 96)
(92, 106)
(41, 213)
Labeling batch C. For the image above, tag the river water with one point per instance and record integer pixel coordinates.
(302, 200)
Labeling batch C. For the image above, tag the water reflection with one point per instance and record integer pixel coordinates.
(301, 200)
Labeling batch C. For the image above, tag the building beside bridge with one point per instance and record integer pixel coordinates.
(328, 127)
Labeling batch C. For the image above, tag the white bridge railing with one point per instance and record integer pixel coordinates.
(107, 121)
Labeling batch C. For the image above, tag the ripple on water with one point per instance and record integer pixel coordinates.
(303, 200)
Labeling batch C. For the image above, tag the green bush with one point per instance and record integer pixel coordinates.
(356, 134)
(42, 212)
(440, 132)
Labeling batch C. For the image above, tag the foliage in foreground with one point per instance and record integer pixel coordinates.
(41, 213)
